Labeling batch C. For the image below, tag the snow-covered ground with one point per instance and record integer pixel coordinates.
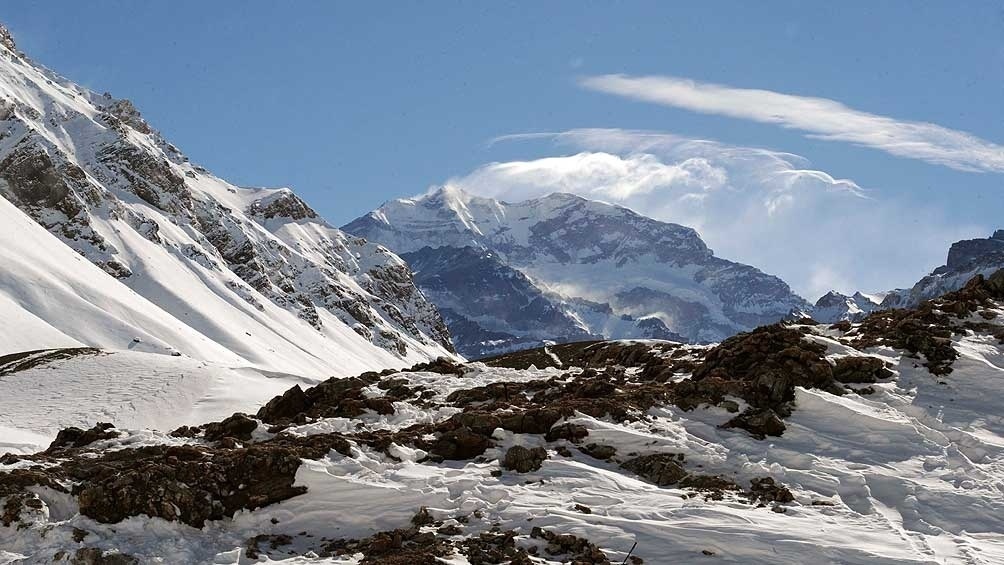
(130, 389)
(913, 473)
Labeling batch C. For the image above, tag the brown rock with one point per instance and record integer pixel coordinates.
(759, 423)
(663, 469)
(523, 460)
(71, 437)
(599, 451)
(238, 426)
(860, 370)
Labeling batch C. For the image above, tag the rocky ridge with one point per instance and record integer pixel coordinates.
(966, 259)
(94, 173)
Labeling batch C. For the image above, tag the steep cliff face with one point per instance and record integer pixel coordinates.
(611, 271)
(489, 306)
(255, 270)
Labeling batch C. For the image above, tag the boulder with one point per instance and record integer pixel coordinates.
(523, 460)
(663, 469)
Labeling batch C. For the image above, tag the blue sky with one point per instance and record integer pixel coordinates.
(352, 105)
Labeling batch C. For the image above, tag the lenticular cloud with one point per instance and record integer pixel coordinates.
(821, 118)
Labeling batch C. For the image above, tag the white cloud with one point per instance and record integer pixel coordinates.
(820, 117)
(756, 206)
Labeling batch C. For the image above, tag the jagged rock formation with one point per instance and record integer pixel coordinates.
(253, 270)
(966, 259)
(592, 268)
(834, 307)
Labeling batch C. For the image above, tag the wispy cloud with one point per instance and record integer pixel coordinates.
(766, 208)
(821, 118)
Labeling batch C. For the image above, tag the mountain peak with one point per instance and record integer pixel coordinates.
(250, 271)
(610, 270)
(831, 297)
(7, 40)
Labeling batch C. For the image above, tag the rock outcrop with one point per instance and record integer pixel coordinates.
(255, 270)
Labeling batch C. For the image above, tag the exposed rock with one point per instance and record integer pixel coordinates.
(72, 437)
(713, 487)
(523, 460)
(7, 40)
(836, 307)
(460, 275)
(461, 443)
(568, 431)
(928, 329)
(335, 397)
(124, 111)
(663, 469)
(860, 370)
(253, 549)
(766, 490)
(759, 422)
(764, 366)
(579, 550)
(461, 240)
(409, 546)
(238, 426)
(422, 518)
(184, 483)
(966, 259)
(282, 204)
(24, 360)
(95, 556)
(90, 170)
(599, 451)
(285, 407)
(442, 365)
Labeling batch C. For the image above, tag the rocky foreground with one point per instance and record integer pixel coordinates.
(875, 442)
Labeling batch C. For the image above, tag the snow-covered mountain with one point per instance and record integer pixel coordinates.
(591, 268)
(488, 303)
(834, 306)
(182, 260)
(966, 259)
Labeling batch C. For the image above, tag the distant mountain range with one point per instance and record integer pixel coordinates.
(966, 259)
(564, 268)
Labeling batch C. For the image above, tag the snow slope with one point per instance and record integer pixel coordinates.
(133, 389)
(600, 264)
(52, 297)
(910, 471)
(250, 276)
